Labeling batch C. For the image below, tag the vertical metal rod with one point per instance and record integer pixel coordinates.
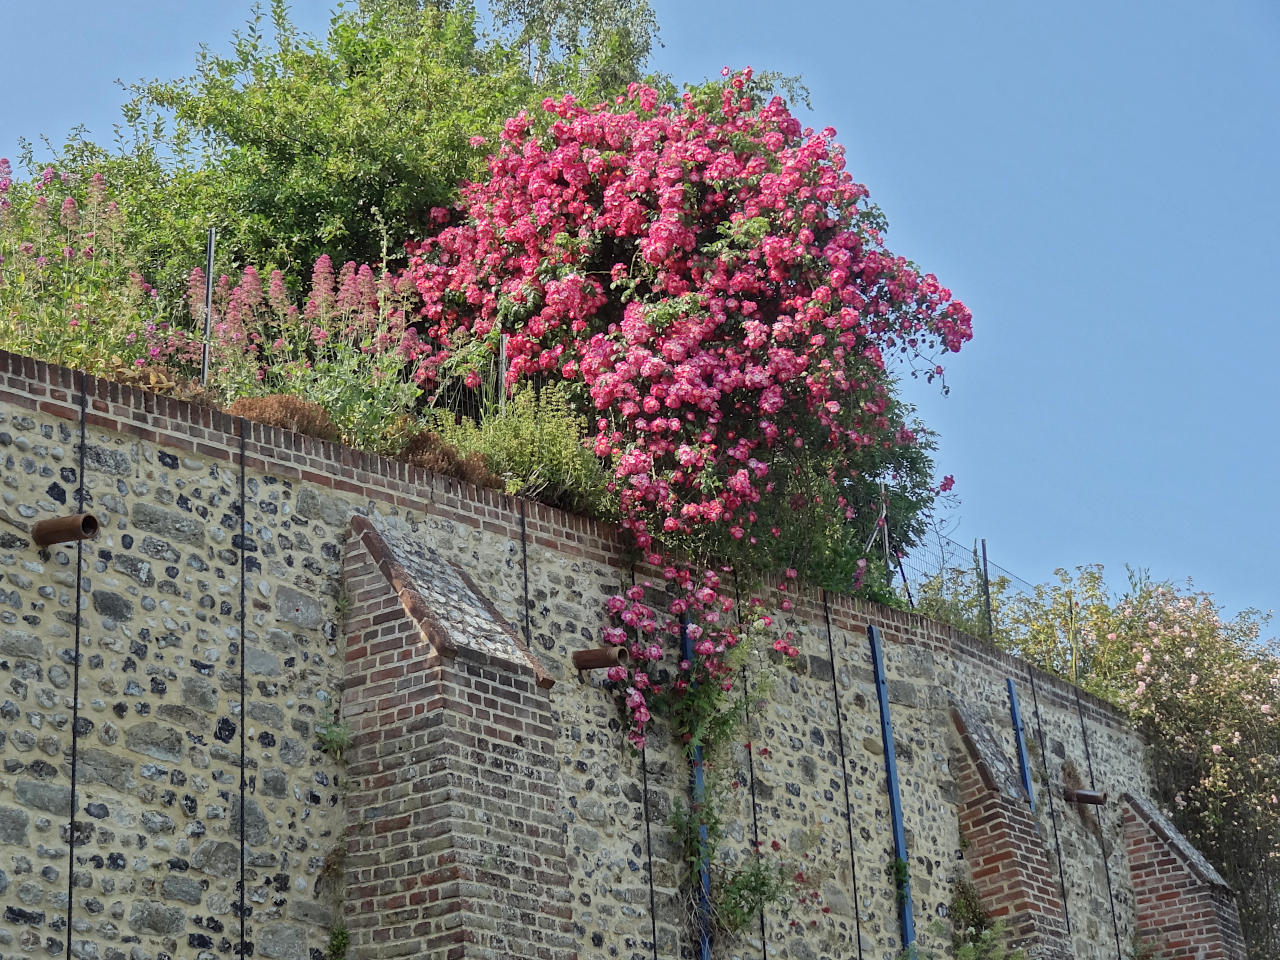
(1048, 788)
(895, 797)
(755, 815)
(208, 305)
(1088, 756)
(1023, 760)
(524, 568)
(844, 770)
(648, 850)
(751, 764)
(884, 531)
(911, 602)
(75, 682)
(698, 789)
(986, 592)
(244, 527)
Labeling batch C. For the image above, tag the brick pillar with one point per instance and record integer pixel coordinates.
(1007, 858)
(1183, 904)
(455, 840)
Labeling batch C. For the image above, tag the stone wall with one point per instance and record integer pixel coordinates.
(489, 805)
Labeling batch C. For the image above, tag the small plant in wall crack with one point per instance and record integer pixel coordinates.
(901, 879)
(989, 945)
(339, 940)
(335, 737)
(974, 935)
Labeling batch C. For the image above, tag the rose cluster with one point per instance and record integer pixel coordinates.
(713, 283)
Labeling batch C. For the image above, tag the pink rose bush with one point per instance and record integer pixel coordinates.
(712, 285)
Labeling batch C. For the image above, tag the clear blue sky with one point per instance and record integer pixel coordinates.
(1098, 182)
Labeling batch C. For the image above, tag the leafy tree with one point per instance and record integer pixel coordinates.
(584, 46)
(295, 147)
(300, 147)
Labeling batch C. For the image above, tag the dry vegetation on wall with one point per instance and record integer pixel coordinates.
(289, 412)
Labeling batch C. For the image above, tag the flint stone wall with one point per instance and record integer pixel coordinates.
(157, 853)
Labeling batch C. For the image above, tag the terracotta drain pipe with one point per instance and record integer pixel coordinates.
(81, 526)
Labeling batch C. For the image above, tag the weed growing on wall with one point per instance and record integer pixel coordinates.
(339, 941)
(534, 441)
(335, 738)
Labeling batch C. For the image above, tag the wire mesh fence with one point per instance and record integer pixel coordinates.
(956, 582)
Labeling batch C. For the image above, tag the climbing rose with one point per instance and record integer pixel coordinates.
(715, 284)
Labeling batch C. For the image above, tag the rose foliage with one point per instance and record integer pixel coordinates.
(712, 285)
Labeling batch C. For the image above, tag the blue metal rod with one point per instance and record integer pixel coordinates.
(895, 798)
(1023, 760)
(698, 789)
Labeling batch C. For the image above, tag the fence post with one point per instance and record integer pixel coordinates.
(986, 592)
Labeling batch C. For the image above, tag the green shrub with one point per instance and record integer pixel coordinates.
(339, 940)
(535, 443)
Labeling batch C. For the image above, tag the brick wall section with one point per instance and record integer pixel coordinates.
(456, 845)
(1009, 865)
(1184, 913)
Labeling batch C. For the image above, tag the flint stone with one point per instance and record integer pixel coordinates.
(266, 713)
(256, 830)
(292, 752)
(20, 645)
(186, 889)
(48, 797)
(309, 911)
(99, 766)
(282, 940)
(185, 528)
(154, 822)
(273, 782)
(294, 606)
(112, 605)
(13, 826)
(153, 918)
(134, 567)
(155, 740)
(903, 692)
(182, 716)
(217, 858)
(159, 550)
(199, 693)
(261, 663)
(315, 506)
(106, 460)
